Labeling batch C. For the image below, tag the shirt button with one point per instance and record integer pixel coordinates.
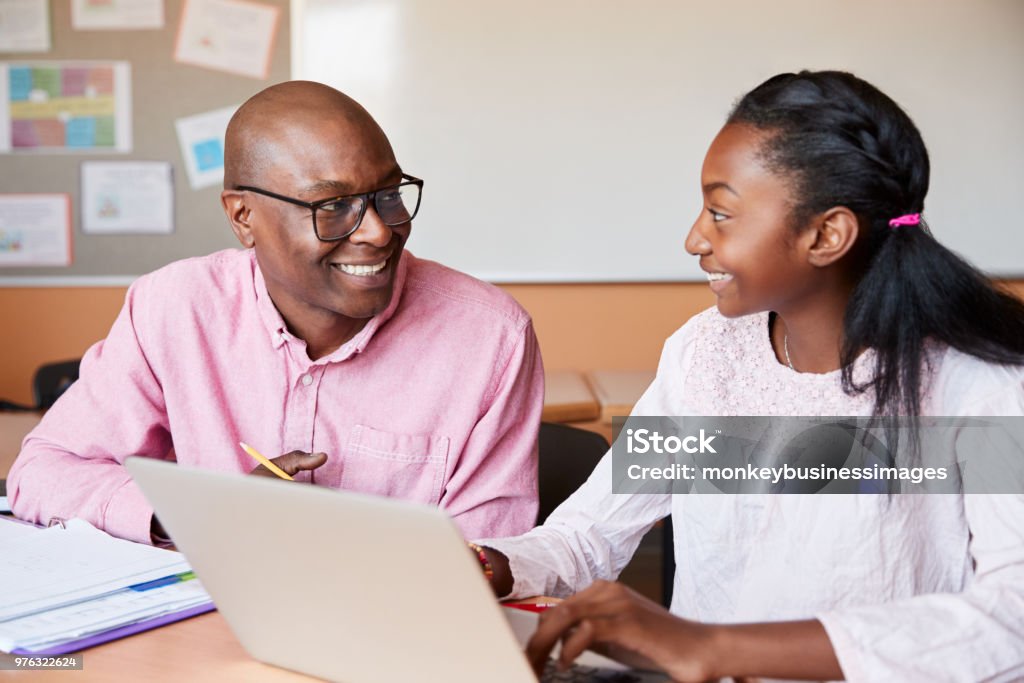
(307, 380)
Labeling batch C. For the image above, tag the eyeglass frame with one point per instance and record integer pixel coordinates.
(367, 197)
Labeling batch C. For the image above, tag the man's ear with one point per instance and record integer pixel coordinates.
(836, 231)
(238, 213)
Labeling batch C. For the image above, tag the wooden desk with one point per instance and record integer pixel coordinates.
(13, 428)
(197, 650)
(618, 390)
(567, 398)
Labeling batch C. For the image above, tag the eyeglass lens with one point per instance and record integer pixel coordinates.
(394, 205)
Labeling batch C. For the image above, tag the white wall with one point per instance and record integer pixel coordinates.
(562, 139)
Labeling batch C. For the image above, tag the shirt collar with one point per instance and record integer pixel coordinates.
(278, 330)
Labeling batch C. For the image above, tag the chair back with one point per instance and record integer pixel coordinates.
(567, 456)
(52, 380)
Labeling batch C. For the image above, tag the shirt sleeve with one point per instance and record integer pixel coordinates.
(977, 634)
(594, 533)
(493, 488)
(970, 636)
(71, 464)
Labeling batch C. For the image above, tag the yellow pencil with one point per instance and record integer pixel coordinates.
(264, 461)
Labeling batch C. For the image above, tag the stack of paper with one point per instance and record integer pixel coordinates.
(63, 585)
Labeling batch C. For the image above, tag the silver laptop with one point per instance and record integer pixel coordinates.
(344, 586)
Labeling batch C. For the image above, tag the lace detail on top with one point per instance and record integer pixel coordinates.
(735, 372)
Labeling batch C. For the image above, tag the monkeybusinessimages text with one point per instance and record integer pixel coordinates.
(640, 442)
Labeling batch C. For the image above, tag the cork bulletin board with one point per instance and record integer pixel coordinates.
(163, 91)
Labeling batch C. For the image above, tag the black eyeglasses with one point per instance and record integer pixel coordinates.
(338, 217)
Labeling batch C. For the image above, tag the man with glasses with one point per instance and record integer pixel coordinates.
(323, 343)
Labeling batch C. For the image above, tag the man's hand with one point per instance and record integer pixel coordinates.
(292, 463)
(612, 619)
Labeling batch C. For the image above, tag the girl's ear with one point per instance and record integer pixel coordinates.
(238, 214)
(836, 233)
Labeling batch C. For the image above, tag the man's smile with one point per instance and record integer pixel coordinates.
(361, 269)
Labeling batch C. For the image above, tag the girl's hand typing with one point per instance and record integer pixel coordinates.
(614, 620)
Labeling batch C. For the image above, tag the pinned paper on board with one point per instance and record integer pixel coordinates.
(35, 230)
(127, 197)
(25, 26)
(236, 36)
(116, 15)
(62, 107)
(201, 138)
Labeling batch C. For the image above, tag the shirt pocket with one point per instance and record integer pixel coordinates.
(406, 466)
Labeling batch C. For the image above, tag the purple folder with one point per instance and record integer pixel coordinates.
(119, 632)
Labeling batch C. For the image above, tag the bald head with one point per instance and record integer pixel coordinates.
(285, 120)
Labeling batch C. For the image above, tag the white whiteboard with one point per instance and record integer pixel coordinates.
(561, 140)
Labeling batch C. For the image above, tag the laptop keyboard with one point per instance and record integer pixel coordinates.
(585, 674)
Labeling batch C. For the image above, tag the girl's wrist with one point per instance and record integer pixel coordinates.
(708, 659)
(483, 559)
(502, 580)
(715, 654)
(494, 566)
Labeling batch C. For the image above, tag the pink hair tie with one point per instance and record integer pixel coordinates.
(906, 219)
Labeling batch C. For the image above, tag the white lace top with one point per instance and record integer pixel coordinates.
(909, 588)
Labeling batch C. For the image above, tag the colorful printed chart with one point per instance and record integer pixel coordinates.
(64, 106)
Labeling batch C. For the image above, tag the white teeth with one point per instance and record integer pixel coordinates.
(362, 270)
(712, 277)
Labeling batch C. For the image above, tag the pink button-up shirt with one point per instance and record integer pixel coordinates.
(435, 400)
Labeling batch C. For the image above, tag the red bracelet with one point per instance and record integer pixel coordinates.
(484, 562)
